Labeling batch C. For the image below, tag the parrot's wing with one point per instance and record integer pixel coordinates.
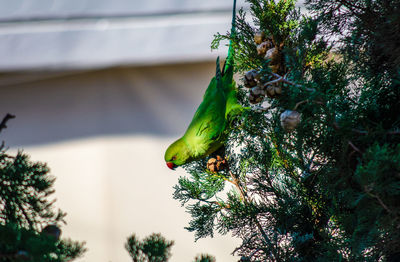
(205, 133)
(208, 122)
(229, 85)
(232, 105)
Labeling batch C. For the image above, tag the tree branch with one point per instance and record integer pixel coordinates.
(377, 198)
(284, 80)
(4, 122)
(394, 132)
(354, 147)
(247, 201)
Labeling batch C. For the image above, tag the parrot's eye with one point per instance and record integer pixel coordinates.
(173, 158)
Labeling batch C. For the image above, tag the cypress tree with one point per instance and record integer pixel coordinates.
(30, 228)
(313, 169)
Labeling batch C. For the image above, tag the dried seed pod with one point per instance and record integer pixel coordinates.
(255, 98)
(260, 89)
(273, 90)
(212, 164)
(290, 120)
(52, 231)
(262, 48)
(270, 53)
(257, 91)
(221, 163)
(216, 164)
(250, 78)
(256, 75)
(270, 44)
(259, 37)
(249, 83)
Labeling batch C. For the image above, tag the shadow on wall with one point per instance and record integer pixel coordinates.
(119, 101)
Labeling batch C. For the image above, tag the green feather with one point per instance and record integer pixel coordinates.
(205, 133)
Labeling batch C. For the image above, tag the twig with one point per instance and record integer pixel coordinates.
(363, 132)
(299, 103)
(221, 205)
(394, 132)
(306, 101)
(4, 122)
(222, 177)
(279, 79)
(377, 198)
(354, 147)
(359, 131)
(288, 168)
(243, 194)
(283, 79)
(235, 181)
(350, 155)
(261, 109)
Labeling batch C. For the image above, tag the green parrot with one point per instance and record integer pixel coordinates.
(205, 133)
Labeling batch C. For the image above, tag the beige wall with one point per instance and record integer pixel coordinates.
(103, 134)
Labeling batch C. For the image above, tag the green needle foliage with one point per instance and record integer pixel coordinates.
(325, 186)
(29, 226)
(204, 258)
(155, 248)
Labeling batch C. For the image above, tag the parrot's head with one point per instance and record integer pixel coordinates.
(177, 154)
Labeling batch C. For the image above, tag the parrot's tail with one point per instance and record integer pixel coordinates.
(229, 59)
(218, 73)
(233, 29)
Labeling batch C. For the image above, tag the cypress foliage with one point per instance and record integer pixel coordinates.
(314, 168)
(155, 248)
(29, 226)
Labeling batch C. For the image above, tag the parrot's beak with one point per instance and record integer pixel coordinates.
(171, 165)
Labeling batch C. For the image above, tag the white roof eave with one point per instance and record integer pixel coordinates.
(86, 34)
(93, 43)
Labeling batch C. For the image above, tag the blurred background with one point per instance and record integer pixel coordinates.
(100, 89)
